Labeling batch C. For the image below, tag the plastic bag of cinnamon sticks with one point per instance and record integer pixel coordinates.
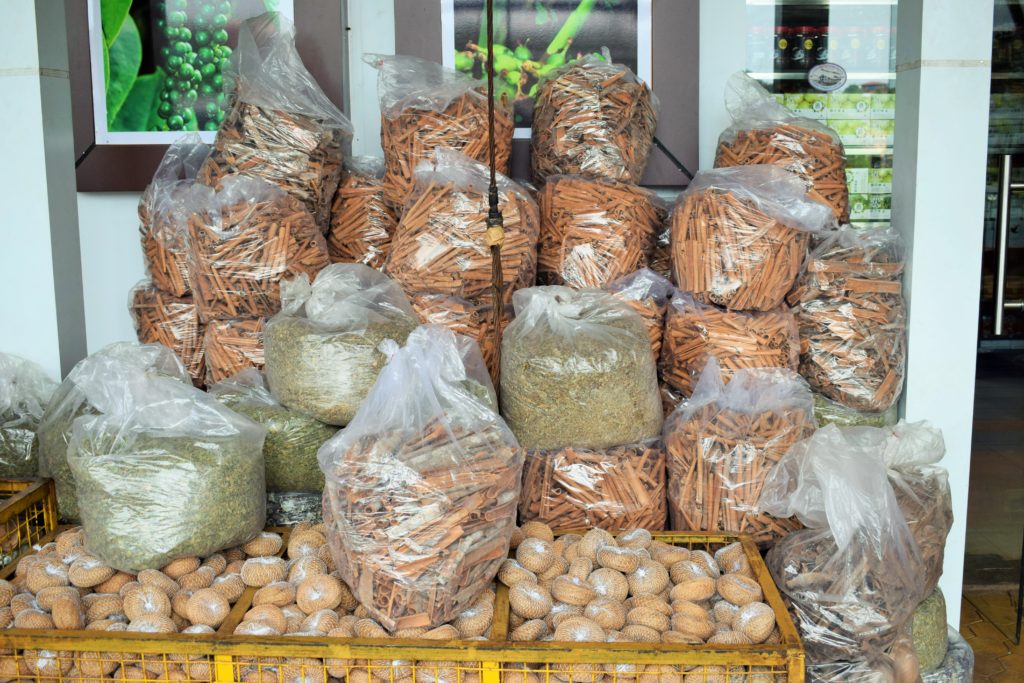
(593, 231)
(723, 443)
(593, 118)
(161, 318)
(281, 126)
(463, 317)
(765, 132)
(576, 370)
(852, 317)
(647, 293)
(230, 346)
(243, 240)
(425, 106)
(739, 340)
(422, 485)
(440, 244)
(162, 223)
(740, 236)
(855, 575)
(361, 221)
(613, 489)
(323, 348)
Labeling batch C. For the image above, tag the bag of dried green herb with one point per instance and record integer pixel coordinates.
(927, 629)
(577, 370)
(292, 438)
(958, 666)
(829, 412)
(422, 486)
(321, 351)
(70, 402)
(165, 471)
(25, 390)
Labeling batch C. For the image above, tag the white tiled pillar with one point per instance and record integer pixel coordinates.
(944, 68)
(41, 312)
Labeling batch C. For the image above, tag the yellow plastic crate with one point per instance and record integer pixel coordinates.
(91, 657)
(28, 514)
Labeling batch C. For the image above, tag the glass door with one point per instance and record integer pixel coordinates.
(789, 42)
(993, 573)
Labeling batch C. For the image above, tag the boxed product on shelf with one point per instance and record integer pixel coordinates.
(879, 180)
(854, 132)
(859, 207)
(811, 105)
(857, 179)
(849, 106)
(883, 105)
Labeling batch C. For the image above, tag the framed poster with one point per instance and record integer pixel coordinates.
(157, 65)
(533, 37)
(144, 72)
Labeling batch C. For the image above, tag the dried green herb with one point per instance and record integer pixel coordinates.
(828, 412)
(577, 371)
(928, 631)
(327, 374)
(25, 390)
(19, 450)
(157, 495)
(290, 447)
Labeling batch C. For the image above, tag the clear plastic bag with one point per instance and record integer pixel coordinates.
(422, 485)
(577, 371)
(361, 221)
(593, 118)
(855, 575)
(958, 666)
(243, 240)
(70, 402)
(740, 236)
(281, 126)
(25, 391)
(292, 441)
(322, 350)
(440, 244)
(162, 223)
(852, 317)
(230, 346)
(425, 106)
(765, 132)
(661, 257)
(739, 340)
(593, 231)
(724, 442)
(647, 293)
(613, 489)
(162, 318)
(164, 471)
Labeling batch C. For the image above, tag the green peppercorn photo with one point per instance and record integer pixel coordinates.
(164, 60)
(532, 38)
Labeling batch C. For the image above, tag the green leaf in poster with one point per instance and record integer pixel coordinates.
(112, 16)
(141, 102)
(125, 59)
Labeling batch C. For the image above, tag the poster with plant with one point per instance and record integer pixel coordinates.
(158, 65)
(534, 37)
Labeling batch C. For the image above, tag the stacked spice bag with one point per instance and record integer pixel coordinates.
(579, 389)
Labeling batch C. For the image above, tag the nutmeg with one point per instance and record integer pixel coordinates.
(650, 577)
(572, 590)
(475, 621)
(278, 593)
(207, 607)
(625, 560)
(318, 592)
(511, 572)
(610, 584)
(694, 590)
(146, 599)
(305, 543)
(268, 614)
(537, 529)
(154, 577)
(202, 577)
(755, 620)
(594, 540)
(259, 571)
(88, 571)
(647, 616)
(264, 544)
(536, 555)
(609, 614)
(634, 538)
(534, 629)
(579, 630)
(305, 567)
(739, 590)
(176, 569)
(529, 600)
(230, 586)
(319, 621)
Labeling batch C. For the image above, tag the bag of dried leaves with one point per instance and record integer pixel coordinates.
(25, 391)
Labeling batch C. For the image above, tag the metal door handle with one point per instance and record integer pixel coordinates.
(1006, 188)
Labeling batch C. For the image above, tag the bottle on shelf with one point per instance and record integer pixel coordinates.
(782, 48)
(821, 48)
(803, 44)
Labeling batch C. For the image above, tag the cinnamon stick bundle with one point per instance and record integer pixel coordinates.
(462, 317)
(851, 315)
(594, 231)
(300, 154)
(361, 222)
(721, 448)
(727, 251)
(242, 243)
(161, 318)
(231, 346)
(695, 332)
(440, 244)
(593, 118)
(615, 489)
(418, 554)
(410, 135)
(661, 256)
(647, 293)
(815, 155)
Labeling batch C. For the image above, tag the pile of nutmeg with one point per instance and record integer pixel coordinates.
(630, 588)
(63, 586)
